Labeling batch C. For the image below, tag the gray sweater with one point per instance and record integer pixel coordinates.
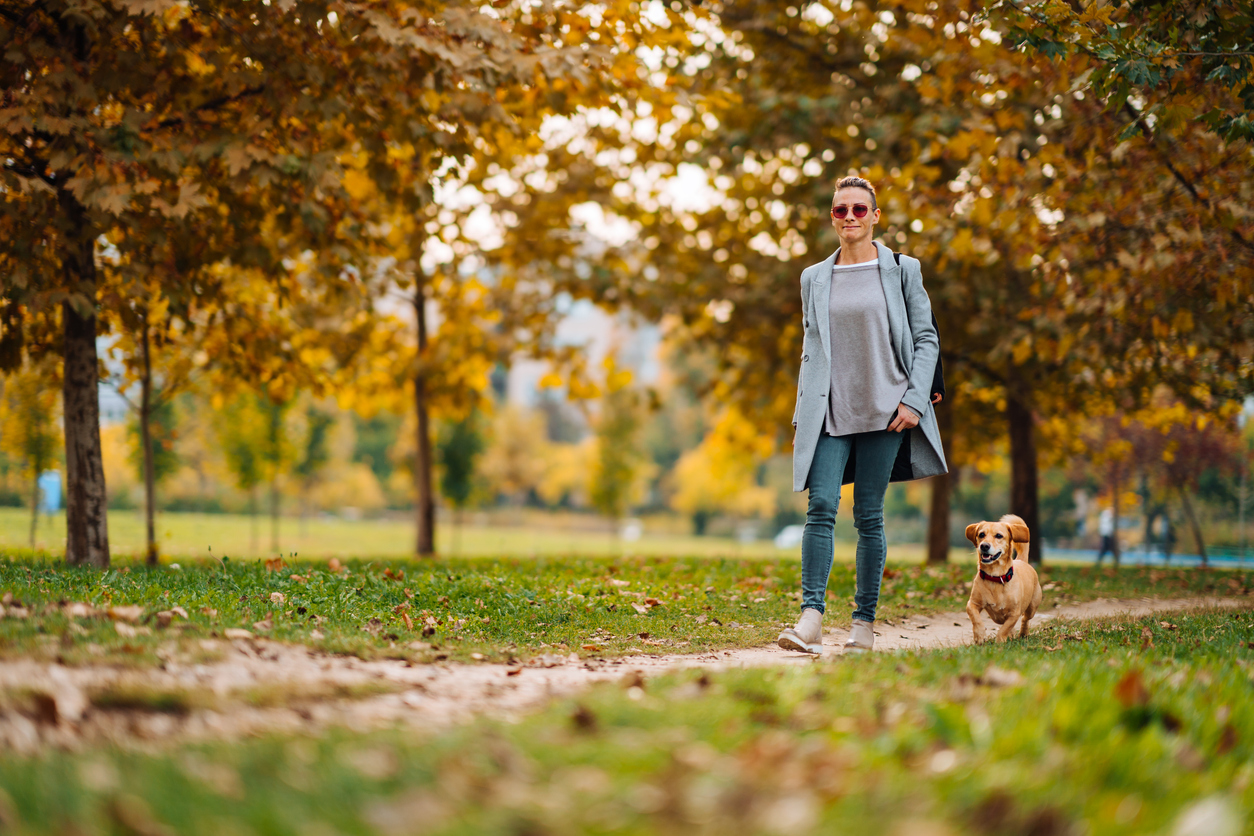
(867, 379)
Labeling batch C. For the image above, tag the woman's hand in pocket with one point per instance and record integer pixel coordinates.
(905, 419)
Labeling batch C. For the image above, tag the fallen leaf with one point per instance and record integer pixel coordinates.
(640, 608)
(277, 597)
(264, 626)
(77, 609)
(274, 564)
(236, 633)
(591, 647)
(478, 657)
(164, 618)
(1001, 678)
(316, 635)
(299, 578)
(1147, 638)
(125, 630)
(131, 613)
(513, 671)
(373, 626)
(1227, 740)
(209, 612)
(335, 566)
(1167, 625)
(652, 602)
(179, 611)
(1131, 690)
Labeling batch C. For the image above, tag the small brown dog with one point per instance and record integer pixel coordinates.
(1006, 587)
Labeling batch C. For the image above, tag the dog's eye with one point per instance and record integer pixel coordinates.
(981, 535)
(998, 536)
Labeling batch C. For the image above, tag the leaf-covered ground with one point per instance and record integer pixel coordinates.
(1119, 727)
(484, 609)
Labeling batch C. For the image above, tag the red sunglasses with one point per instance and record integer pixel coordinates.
(859, 211)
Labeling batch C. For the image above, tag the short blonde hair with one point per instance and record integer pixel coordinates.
(856, 183)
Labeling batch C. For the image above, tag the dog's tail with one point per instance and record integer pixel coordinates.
(1013, 519)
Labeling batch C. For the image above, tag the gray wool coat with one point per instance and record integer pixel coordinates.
(915, 343)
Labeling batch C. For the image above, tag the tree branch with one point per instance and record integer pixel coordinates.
(211, 105)
(1151, 138)
(31, 172)
(20, 20)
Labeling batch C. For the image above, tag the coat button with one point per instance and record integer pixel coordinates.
(805, 358)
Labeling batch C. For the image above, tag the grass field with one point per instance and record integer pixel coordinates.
(1123, 727)
(497, 609)
(185, 535)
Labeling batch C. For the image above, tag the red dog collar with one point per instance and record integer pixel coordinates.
(1010, 573)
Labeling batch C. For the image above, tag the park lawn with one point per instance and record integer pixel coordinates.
(182, 536)
(483, 609)
(1127, 726)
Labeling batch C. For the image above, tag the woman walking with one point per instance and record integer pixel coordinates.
(863, 408)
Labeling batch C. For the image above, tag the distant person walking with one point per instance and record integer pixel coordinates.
(1106, 528)
(863, 414)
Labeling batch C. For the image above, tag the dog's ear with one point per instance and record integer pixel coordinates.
(971, 531)
(1019, 532)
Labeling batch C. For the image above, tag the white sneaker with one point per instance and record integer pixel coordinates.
(861, 637)
(807, 636)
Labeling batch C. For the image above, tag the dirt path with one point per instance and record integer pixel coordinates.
(265, 687)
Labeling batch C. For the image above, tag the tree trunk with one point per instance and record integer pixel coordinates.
(274, 513)
(34, 508)
(1193, 524)
(145, 432)
(1114, 511)
(1023, 487)
(252, 520)
(942, 489)
(276, 455)
(422, 457)
(87, 527)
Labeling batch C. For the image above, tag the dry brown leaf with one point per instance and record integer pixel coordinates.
(1131, 690)
(77, 609)
(277, 597)
(274, 564)
(299, 578)
(131, 613)
(1147, 638)
(264, 626)
(335, 566)
(591, 647)
(237, 633)
(639, 608)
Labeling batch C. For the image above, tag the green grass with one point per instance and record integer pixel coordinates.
(183, 536)
(1122, 727)
(505, 609)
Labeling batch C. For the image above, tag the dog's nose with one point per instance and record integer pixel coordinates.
(984, 548)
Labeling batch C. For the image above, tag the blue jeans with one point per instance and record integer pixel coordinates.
(873, 464)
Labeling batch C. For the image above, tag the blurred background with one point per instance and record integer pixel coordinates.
(518, 279)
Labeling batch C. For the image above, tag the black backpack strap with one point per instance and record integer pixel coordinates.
(938, 378)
